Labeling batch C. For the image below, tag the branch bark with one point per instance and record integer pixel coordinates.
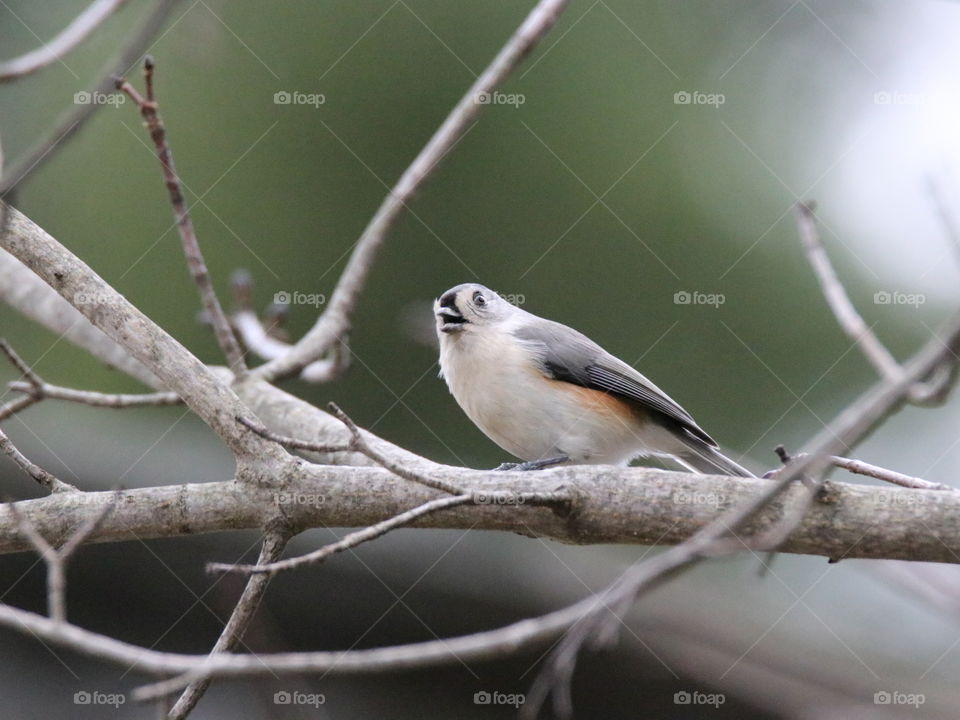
(614, 505)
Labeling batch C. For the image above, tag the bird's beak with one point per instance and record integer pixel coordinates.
(451, 319)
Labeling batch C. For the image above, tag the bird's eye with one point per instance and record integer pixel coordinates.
(478, 299)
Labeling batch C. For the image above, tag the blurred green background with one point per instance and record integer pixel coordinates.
(597, 199)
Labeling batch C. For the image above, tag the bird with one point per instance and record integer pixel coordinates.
(549, 395)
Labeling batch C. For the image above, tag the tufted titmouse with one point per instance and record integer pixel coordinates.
(548, 394)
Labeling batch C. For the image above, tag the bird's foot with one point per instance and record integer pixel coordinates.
(534, 464)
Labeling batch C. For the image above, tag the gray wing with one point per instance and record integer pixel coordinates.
(565, 354)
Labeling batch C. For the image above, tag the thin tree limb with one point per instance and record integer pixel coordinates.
(335, 320)
(274, 542)
(196, 264)
(45, 479)
(352, 540)
(68, 38)
(75, 117)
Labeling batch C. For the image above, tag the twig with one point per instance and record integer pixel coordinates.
(32, 378)
(348, 541)
(927, 390)
(843, 310)
(35, 387)
(256, 337)
(355, 444)
(188, 236)
(55, 559)
(74, 118)
(45, 479)
(335, 320)
(273, 544)
(14, 406)
(71, 36)
(98, 399)
(859, 467)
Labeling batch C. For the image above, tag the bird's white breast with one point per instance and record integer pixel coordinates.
(496, 380)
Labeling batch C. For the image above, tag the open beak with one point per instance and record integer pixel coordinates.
(451, 319)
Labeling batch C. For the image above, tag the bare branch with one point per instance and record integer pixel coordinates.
(25, 370)
(843, 310)
(77, 115)
(44, 478)
(273, 544)
(335, 320)
(98, 399)
(347, 542)
(14, 406)
(188, 236)
(927, 390)
(57, 560)
(71, 36)
(268, 341)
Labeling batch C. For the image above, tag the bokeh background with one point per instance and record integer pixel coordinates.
(594, 194)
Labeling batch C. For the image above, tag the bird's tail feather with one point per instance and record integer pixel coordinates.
(708, 460)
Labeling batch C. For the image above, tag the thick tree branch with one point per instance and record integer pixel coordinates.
(614, 505)
(166, 358)
(335, 320)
